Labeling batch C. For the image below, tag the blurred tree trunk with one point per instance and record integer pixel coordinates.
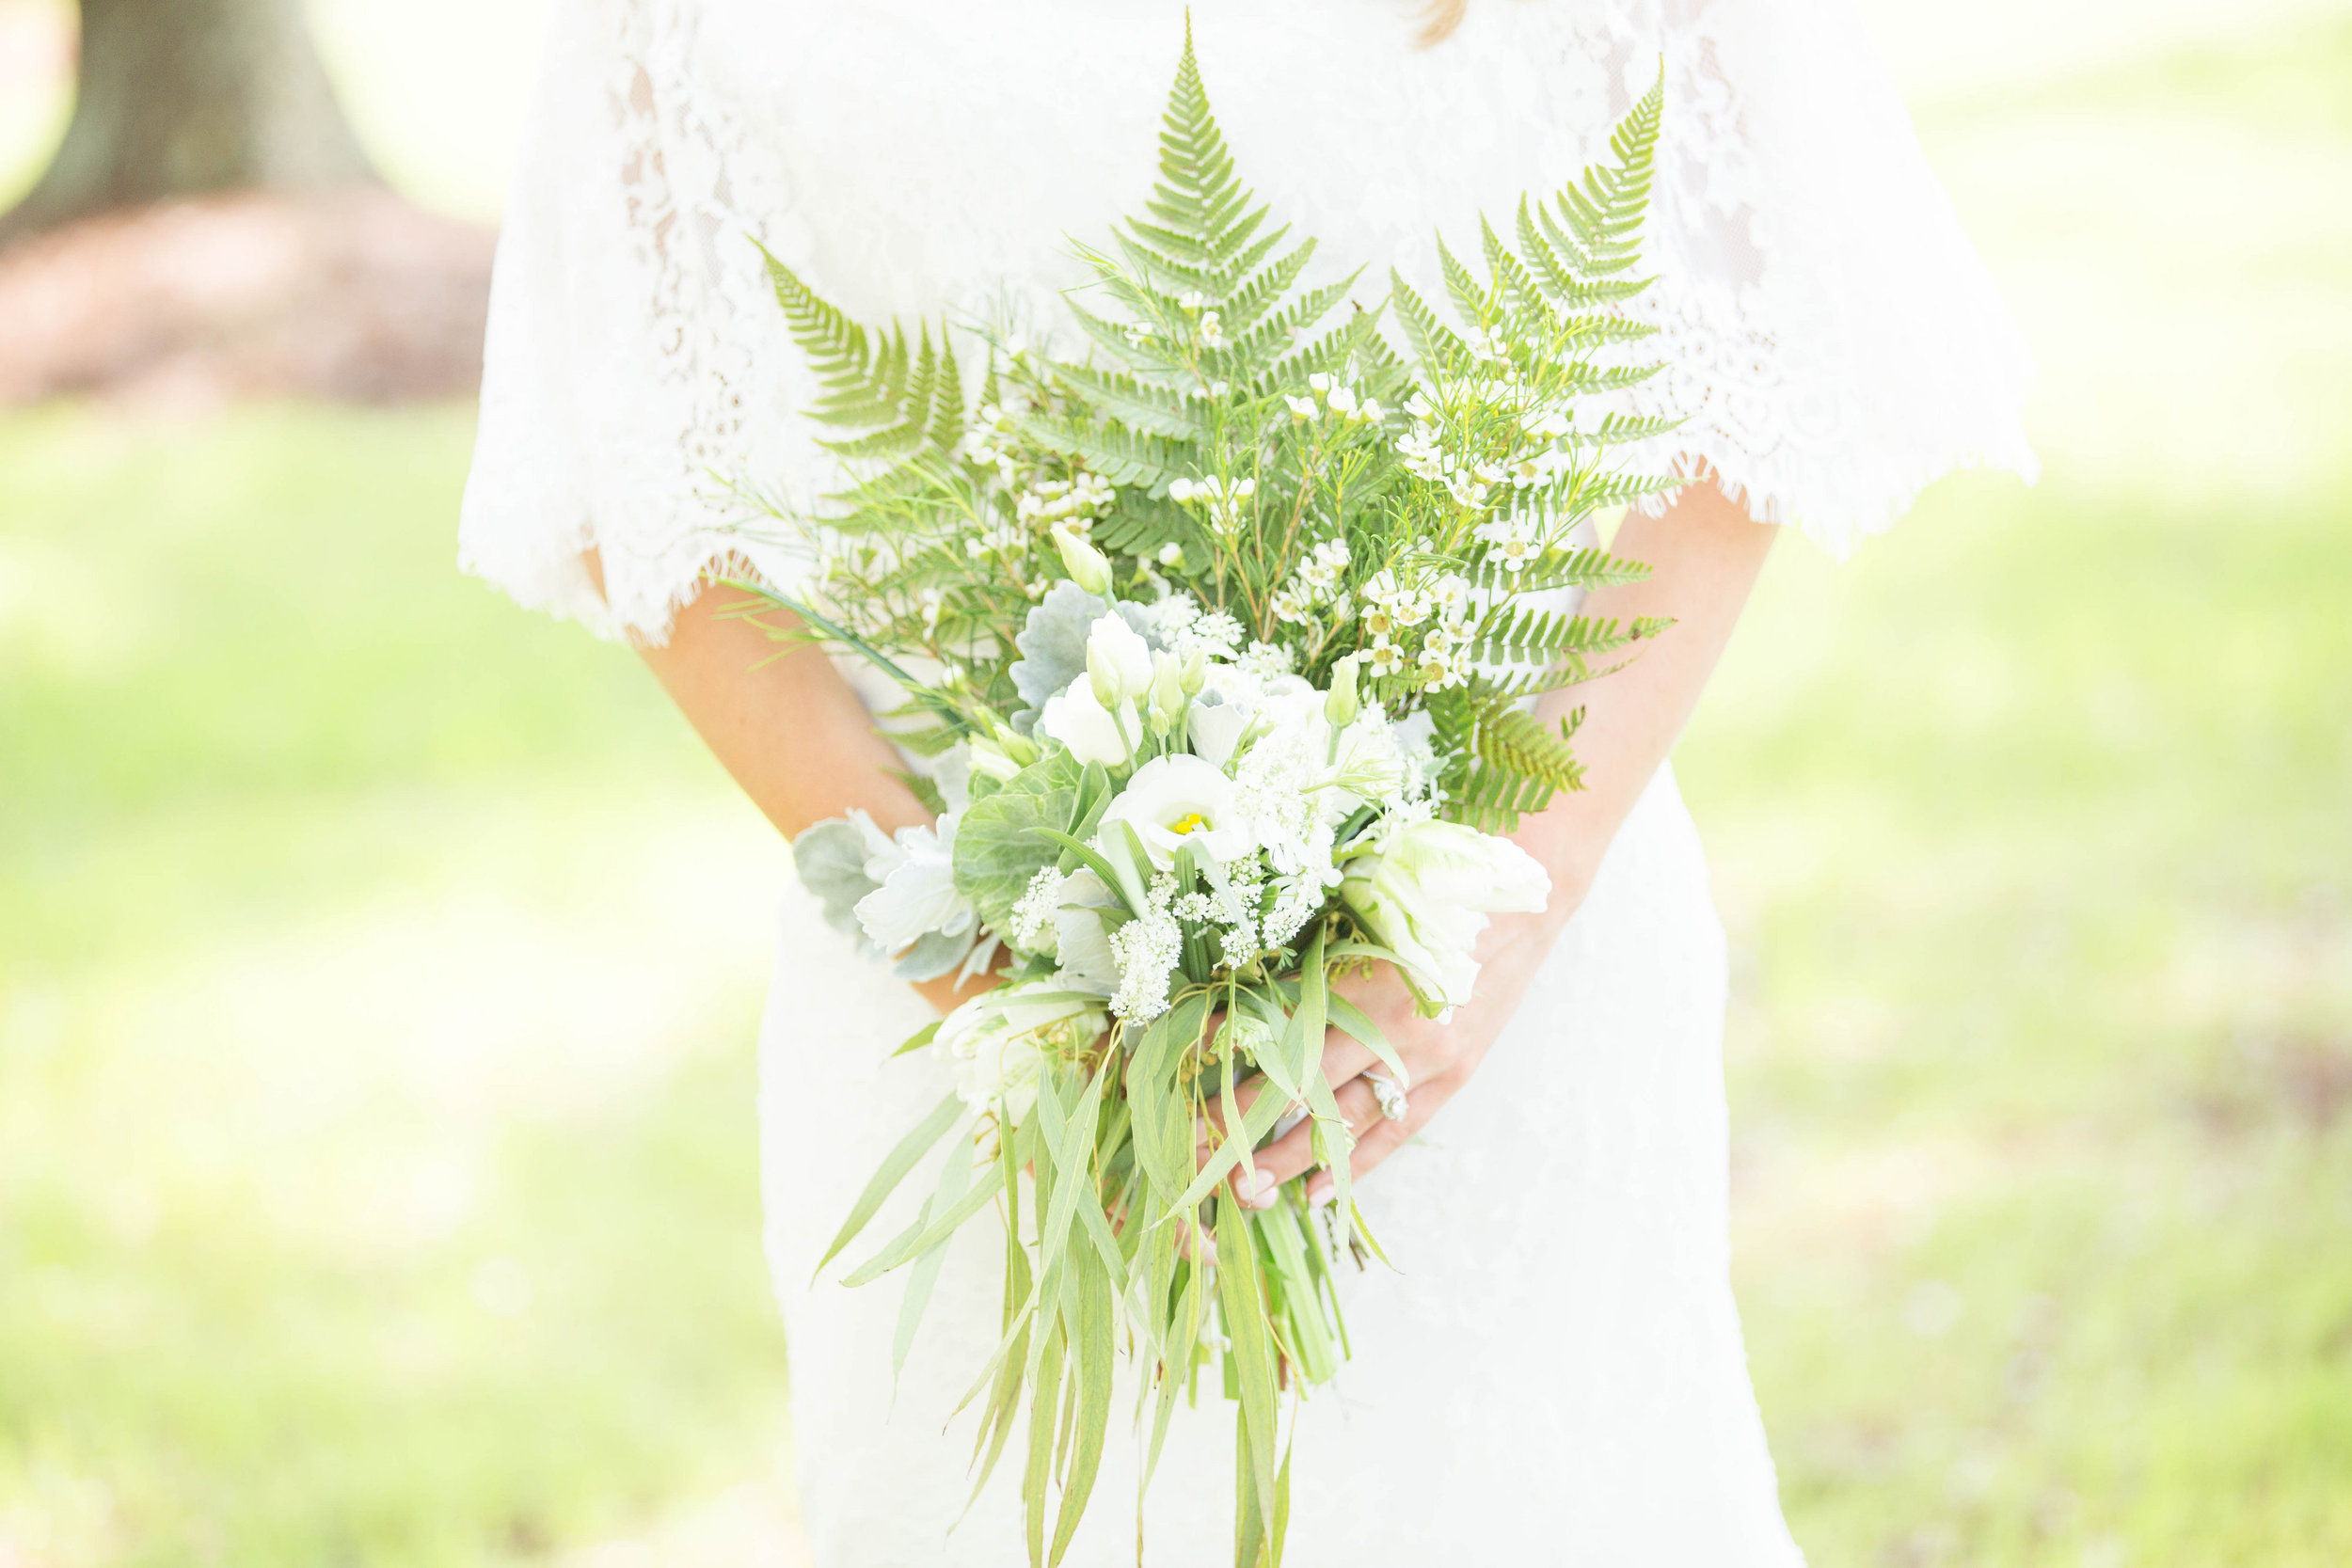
(178, 97)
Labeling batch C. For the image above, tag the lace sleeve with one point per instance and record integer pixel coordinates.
(1831, 342)
(630, 346)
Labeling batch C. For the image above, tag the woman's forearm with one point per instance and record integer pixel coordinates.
(1705, 555)
(786, 725)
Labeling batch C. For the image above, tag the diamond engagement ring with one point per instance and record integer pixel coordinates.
(1385, 1091)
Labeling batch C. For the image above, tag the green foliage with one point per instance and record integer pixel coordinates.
(1233, 426)
(1000, 846)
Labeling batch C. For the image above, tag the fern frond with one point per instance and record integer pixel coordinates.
(1470, 297)
(1516, 635)
(1521, 743)
(1514, 280)
(1120, 343)
(1249, 355)
(1605, 213)
(1144, 526)
(1253, 298)
(1618, 429)
(838, 347)
(1587, 569)
(1432, 341)
(1139, 404)
(1118, 454)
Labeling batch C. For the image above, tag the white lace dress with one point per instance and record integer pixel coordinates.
(1554, 1372)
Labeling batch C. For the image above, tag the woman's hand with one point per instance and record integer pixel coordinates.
(1439, 1058)
(1703, 556)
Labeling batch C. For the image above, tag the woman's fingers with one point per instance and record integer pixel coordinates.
(1294, 1153)
(1343, 1058)
(1385, 1137)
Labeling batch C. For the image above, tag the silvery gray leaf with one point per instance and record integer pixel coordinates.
(935, 953)
(1053, 643)
(831, 860)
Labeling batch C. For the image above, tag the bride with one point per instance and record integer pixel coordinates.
(1552, 1372)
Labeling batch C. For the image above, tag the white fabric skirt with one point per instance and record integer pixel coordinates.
(1552, 1372)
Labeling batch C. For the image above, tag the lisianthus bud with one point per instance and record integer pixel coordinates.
(1090, 568)
(992, 759)
(1167, 691)
(1340, 706)
(1019, 747)
(1119, 661)
(1194, 674)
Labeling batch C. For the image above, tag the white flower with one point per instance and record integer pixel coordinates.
(1212, 329)
(1215, 634)
(1171, 554)
(917, 894)
(1081, 945)
(1181, 803)
(1093, 732)
(1424, 893)
(1118, 660)
(1320, 380)
(1033, 924)
(1000, 1039)
(1266, 660)
(1221, 715)
(1343, 402)
(1301, 408)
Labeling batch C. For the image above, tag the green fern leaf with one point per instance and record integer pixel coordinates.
(1432, 342)
(1154, 410)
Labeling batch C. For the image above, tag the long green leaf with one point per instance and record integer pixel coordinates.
(919, 1242)
(1241, 1293)
(894, 1170)
(954, 1176)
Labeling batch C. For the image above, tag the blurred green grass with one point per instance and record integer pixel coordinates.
(2034, 831)
(378, 964)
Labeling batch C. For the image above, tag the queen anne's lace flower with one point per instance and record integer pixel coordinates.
(1032, 926)
(1146, 949)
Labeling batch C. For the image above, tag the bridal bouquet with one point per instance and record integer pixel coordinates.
(1218, 643)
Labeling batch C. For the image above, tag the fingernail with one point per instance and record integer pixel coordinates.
(1258, 1191)
(1319, 1190)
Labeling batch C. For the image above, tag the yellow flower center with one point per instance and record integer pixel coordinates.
(1190, 822)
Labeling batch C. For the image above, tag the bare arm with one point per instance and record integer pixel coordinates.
(785, 726)
(1705, 555)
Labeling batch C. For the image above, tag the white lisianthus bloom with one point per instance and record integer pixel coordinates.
(1222, 711)
(1424, 894)
(1180, 802)
(1000, 1039)
(1118, 660)
(1093, 732)
(917, 894)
